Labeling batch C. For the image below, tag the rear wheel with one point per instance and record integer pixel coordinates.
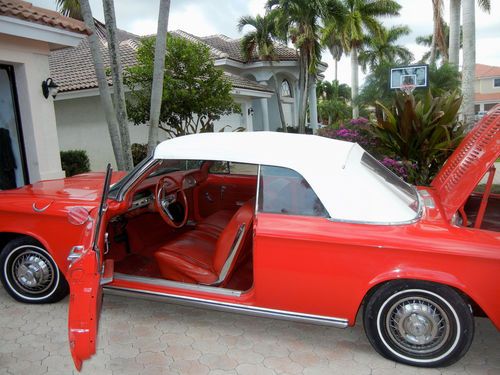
(29, 274)
(419, 323)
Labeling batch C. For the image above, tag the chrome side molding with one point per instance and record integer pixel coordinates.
(228, 307)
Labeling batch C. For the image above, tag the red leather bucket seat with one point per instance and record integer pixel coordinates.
(197, 257)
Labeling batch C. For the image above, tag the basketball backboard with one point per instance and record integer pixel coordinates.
(414, 75)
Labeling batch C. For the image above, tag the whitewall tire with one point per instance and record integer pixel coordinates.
(419, 323)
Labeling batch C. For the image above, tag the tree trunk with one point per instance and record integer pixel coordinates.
(469, 63)
(336, 63)
(104, 94)
(454, 51)
(277, 90)
(118, 90)
(305, 94)
(354, 81)
(158, 74)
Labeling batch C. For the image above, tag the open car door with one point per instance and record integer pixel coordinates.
(84, 277)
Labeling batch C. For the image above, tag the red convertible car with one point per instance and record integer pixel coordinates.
(287, 226)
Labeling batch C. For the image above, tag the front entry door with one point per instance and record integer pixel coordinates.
(13, 171)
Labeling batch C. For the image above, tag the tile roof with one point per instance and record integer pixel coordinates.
(487, 97)
(27, 12)
(222, 46)
(72, 68)
(485, 71)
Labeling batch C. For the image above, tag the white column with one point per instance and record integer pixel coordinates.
(265, 113)
(313, 108)
(247, 115)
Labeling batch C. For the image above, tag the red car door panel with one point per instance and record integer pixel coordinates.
(84, 306)
(224, 192)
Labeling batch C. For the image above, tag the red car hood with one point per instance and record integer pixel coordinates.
(86, 187)
(469, 163)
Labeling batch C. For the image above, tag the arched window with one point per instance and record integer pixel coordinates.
(286, 91)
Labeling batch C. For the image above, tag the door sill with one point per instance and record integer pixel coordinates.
(227, 307)
(176, 285)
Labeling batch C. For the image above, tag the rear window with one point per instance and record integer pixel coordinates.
(405, 192)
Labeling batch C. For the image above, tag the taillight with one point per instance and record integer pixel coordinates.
(78, 215)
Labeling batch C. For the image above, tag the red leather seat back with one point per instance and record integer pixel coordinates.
(233, 238)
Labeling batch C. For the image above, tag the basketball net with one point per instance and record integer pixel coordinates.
(407, 88)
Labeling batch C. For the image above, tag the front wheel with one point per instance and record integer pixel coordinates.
(419, 323)
(29, 274)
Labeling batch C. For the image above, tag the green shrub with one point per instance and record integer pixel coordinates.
(75, 162)
(422, 133)
(139, 152)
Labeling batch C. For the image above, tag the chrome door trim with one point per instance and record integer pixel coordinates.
(228, 307)
(177, 285)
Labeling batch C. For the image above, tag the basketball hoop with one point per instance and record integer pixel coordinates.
(407, 88)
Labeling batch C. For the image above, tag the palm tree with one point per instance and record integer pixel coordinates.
(118, 89)
(104, 94)
(358, 18)
(158, 75)
(438, 40)
(69, 8)
(72, 8)
(382, 47)
(332, 40)
(468, 70)
(299, 21)
(454, 43)
(426, 41)
(260, 41)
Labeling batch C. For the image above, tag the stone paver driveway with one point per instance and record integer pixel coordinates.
(141, 337)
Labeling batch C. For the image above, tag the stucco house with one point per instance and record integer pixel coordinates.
(80, 118)
(486, 87)
(29, 145)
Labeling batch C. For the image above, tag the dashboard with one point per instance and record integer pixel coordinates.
(144, 196)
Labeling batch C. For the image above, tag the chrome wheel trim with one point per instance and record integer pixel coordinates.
(380, 322)
(417, 325)
(18, 286)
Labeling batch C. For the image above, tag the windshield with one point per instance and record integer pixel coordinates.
(404, 191)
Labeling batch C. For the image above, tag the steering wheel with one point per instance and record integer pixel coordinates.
(164, 199)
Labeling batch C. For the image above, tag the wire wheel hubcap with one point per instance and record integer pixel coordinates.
(417, 325)
(32, 272)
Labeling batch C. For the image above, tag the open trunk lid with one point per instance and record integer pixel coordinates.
(468, 164)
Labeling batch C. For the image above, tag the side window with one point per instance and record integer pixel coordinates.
(284, 191)
(229, 167)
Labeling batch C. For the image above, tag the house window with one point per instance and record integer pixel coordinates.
(286, 91)
(496, 82)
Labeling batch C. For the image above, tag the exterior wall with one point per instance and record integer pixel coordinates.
(486, 86)
(81, 125)
(38, 120)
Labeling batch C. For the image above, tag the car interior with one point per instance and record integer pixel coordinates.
(190, 222)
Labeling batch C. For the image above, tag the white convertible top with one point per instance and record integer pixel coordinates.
(348, 190)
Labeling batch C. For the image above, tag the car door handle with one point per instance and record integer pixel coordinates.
(209, 197)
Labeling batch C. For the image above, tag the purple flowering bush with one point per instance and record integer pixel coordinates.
(356, 130)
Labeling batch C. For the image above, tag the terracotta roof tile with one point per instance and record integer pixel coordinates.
(27, 12)
(72, 68)
(484, 71)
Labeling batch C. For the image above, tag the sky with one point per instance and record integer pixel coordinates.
(208, 17)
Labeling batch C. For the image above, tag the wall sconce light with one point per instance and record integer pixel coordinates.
(250, 111)
(49, 87)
